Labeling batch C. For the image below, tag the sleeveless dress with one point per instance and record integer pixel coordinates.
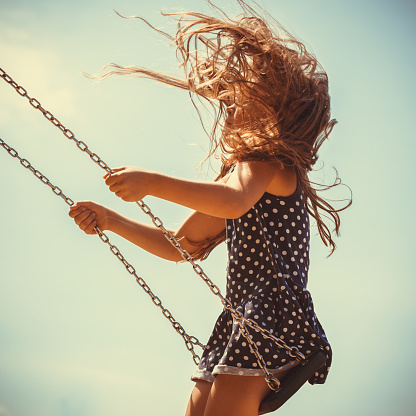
(267, 273)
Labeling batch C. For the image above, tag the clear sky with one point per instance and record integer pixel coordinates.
(78, 337)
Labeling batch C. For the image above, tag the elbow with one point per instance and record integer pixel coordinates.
(174, 257)
(176, 253)
(181, 249)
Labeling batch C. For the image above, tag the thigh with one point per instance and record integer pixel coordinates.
(198, 399)
(233, 395)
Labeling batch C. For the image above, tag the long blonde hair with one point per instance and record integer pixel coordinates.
(230, 61)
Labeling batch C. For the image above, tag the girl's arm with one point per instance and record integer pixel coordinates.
(230, 199)
(197, 227)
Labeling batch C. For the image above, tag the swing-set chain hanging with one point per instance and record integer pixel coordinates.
(238, 317)
(49, 116)
(190, 341)
(292, 351)
(272, 381)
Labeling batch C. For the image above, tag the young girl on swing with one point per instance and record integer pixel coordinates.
(272, 115)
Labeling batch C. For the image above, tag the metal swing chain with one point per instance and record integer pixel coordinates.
(237, 316)
(190, 341)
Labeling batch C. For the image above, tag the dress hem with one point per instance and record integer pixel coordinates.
(206, 375)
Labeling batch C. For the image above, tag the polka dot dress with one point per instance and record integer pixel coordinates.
(267, 272)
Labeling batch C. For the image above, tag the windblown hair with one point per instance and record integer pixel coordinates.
(244, 61)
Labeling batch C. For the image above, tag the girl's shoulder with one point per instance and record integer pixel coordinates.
(288, 207)
(279, 180)
(296, 195)
(284, 181)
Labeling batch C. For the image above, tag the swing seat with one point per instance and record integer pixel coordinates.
(294, 380)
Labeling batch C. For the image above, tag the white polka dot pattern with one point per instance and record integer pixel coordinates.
(267, 273)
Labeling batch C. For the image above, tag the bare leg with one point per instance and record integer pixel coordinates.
(229, 395)
(233, 395)
(199, 397)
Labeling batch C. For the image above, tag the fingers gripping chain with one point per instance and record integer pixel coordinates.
(189, 341)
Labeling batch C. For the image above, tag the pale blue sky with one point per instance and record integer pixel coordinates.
(78, 337)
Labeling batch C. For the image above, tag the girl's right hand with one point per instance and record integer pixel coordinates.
(88, 215)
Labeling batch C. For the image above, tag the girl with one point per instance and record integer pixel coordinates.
(272, 113)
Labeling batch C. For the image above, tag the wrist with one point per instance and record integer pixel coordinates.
(113, 219)
(156, 183)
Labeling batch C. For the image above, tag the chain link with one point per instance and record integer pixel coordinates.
(237, 316)
(25, 163)
(49, 116)
(190, 341)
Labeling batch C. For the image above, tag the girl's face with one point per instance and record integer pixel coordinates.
(239, 120)
(244, 121)
(240, 116)
(235, 117)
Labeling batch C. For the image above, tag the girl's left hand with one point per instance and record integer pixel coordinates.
(129, 183)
